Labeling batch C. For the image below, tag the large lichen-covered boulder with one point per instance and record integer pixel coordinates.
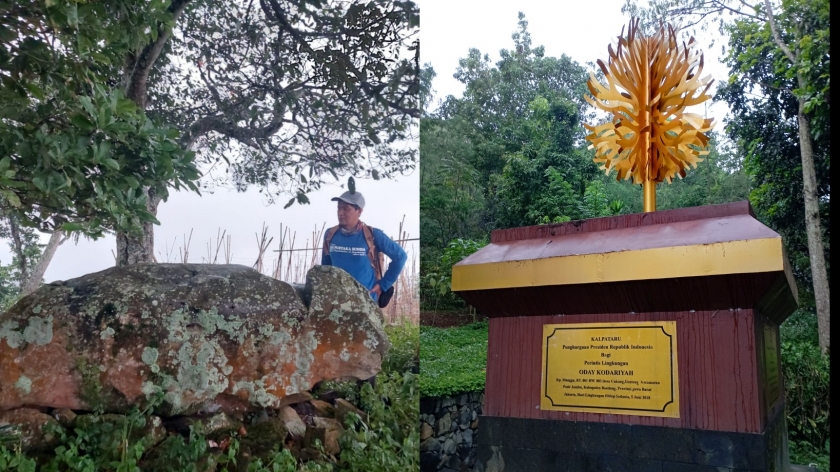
(202, 338)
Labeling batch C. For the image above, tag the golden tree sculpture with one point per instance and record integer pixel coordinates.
(651, 80)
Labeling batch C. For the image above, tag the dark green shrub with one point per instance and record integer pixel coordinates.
(807, 381)
(801, 326)
(391, 440)
(436, 282)
(404, 355)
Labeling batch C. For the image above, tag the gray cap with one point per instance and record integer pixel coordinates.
(351, 198)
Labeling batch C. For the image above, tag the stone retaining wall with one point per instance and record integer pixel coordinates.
(447, 432)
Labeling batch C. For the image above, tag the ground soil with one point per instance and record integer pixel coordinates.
(448, 319)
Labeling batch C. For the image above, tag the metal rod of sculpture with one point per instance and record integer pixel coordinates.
(650, 81)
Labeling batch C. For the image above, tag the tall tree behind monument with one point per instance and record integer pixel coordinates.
(789, 44)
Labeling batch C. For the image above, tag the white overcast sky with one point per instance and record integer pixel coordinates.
(448, 29)
(242, 216)
(581, 30)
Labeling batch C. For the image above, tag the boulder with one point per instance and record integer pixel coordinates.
(263, 439)
(426, 431)
(327, 431)
(322, 409)
(212, 426)
(292, 421)
(35, 430)
(64, 416)
(198, 338)
(343, 407)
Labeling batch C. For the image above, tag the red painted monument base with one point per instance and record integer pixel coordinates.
(716, 272)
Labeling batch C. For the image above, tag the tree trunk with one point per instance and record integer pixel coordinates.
(140, 247)
(30, 284)
(813, 228)
(23, 262)
(136, 248)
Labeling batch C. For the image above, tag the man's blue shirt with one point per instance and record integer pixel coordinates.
(350, 252)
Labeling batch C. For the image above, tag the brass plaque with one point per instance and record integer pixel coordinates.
(771, 365)
(618, 368)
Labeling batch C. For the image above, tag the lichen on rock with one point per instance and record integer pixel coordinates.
(202, 337)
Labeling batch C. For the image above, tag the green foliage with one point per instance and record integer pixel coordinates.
(16, 461)
(807, 390)
(800, 327)
(545, 178)
(556, 202)
(282, 461)
(762, 94)
(807, 379)
(404, 354)
(454, 360)
(77, 152)
(452, 198)
(595, 203)
(436, 282)
(390, 440)
(803, 452)
(25, 247)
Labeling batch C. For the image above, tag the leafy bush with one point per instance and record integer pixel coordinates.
(803, 452)
(454, 360)
(404, 354)
(807, 380)
(436, 283)
(390, 440)
(801, 326)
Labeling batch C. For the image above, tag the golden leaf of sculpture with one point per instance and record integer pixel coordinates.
(650, 82)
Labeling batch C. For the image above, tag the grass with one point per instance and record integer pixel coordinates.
(453, 360)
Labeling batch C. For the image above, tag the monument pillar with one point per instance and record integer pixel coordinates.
(635, 342)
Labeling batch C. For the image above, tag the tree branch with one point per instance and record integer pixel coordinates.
(776, 36)
(220, 124)
(146, 60)
(32, 283)
(724, 6)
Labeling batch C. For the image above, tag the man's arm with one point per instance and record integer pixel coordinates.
(395, 253)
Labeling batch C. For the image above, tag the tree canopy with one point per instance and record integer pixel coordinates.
(779, 58)
(511, 152)
(291, 93)
(108, 104)
(76, 152)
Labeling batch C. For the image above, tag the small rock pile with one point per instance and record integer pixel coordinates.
(297, 427)
(447, 432)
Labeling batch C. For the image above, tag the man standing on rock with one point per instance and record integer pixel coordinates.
(357, 248)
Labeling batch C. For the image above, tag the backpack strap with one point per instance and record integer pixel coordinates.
(328, 239)
(373, 252)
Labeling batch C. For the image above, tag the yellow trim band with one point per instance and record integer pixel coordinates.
(731, 257)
